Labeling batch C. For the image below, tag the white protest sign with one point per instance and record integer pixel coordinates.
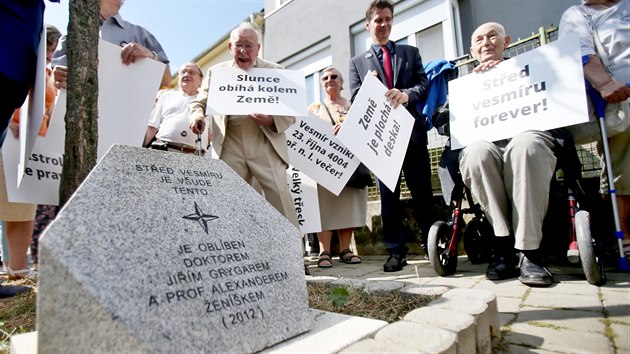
(314, 149)
(304, 194)
(542, 89)
(235, 91)
(126, 95)
(40, 183)
(377, 133)
(32, 112)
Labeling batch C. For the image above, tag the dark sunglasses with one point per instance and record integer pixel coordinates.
(332, 77)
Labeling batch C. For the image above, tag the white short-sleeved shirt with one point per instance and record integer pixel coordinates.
(170, 117)
(613, 28)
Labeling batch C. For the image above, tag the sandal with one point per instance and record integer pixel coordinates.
(21, 274)
(323, 258)
(348, 257)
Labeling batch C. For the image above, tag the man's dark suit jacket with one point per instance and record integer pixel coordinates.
(409, 77)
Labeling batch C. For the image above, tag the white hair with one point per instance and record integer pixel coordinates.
(245, 26)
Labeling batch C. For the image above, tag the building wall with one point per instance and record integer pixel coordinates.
(300, 24)
(519, 17)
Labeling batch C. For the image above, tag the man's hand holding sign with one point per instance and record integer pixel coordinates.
(376, 132)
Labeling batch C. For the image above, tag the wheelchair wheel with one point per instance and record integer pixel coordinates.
(440, 235)
(478, 241)
(591, 267)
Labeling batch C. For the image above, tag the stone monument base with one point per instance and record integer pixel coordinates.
(330, 333)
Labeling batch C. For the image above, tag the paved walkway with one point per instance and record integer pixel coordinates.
(571, 316)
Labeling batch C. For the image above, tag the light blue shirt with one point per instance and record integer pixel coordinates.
(117, 31)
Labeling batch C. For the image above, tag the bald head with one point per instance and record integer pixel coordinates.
(488, 42)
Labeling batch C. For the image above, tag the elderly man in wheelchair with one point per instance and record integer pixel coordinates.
(510, 179)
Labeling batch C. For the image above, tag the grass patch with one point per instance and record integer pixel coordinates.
(545, 325)
(390, 307)
(17, 315)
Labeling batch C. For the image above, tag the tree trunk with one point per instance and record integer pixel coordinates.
(82, 107)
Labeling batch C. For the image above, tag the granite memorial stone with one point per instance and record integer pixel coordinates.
(167, 252)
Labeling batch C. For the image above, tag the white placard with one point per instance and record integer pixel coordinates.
(126, 95)
(32, 112)
(270, 91)
(542, 89)
(126, 98)
(314, 149)
(40, 183)
(377, 133)
(304, 194)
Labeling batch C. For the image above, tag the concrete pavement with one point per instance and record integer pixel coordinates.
(571, 316)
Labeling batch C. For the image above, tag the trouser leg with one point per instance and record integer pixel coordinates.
(529, 167)
(481, 165)
(417, 170)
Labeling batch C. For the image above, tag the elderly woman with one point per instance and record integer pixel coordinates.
(606, 21)
(348, 210)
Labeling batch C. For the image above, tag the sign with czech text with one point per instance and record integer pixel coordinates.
(314, 149)
(542, 89)
(304, 194)
(376, 132)
(234, 91)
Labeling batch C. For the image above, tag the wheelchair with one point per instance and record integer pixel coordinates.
(444, 236)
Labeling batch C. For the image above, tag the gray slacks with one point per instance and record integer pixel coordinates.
(511, 183)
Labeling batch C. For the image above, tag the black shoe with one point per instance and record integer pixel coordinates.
(533, 274)
(395, 263)
(502, 268)
(7, 291)
(306, 271)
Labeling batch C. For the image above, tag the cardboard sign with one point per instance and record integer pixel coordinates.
(539, 90)
(32, 112)
(40, 183)
(126, 95)
(304, 193)
(377, 133)
(314, 149)
(234, 91)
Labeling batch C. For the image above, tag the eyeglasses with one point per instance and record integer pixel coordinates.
(331, 77)
(247, 46)
(190, 72)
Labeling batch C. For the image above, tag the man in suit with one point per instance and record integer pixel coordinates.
(400, 68)
(254, 145)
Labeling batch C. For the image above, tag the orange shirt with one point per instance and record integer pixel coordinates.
(49, 104)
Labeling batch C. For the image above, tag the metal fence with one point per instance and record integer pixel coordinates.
(587, 153)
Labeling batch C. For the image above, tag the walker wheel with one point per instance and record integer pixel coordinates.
(439, 237)
(590, 265)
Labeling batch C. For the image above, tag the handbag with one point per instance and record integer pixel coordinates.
(617, 118)
(361, 177)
